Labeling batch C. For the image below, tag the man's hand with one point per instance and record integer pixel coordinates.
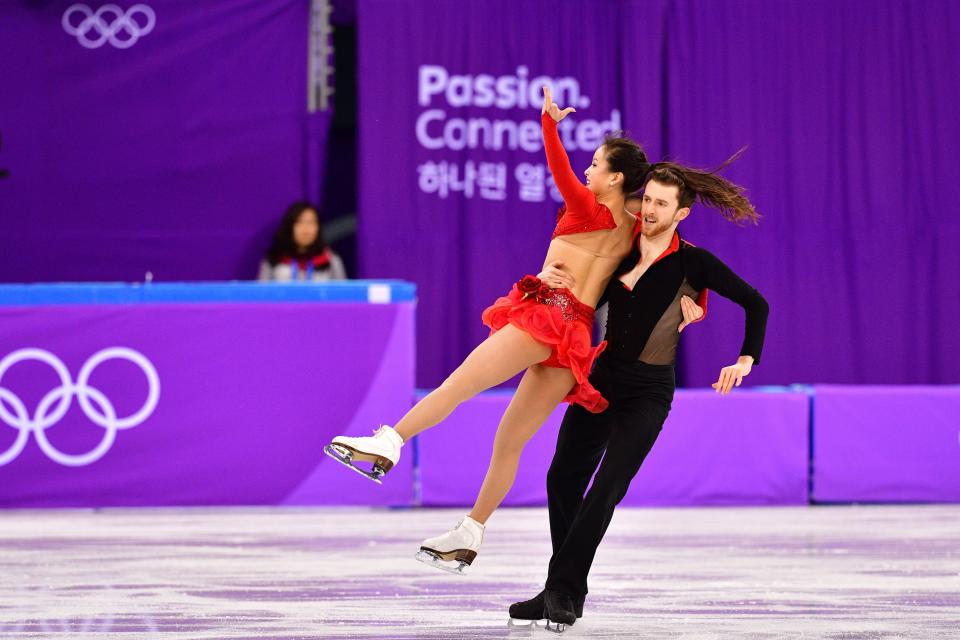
(549, 106)
(555, 278)
(733, 374)
(692, 312)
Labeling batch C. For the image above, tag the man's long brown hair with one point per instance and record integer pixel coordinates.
(706, 187)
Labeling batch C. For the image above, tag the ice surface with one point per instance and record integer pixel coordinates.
(835, 572)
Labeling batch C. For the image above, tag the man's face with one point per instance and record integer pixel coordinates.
(660, 209)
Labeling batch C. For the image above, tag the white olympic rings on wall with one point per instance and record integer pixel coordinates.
(103, 25)
(54, 405)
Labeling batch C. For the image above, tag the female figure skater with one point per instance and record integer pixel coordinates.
(545, 331)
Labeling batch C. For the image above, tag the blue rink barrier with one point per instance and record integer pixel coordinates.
(321, 359)
(372, 291)
(198, 394)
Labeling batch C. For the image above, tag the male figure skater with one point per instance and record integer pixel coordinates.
(636, 375)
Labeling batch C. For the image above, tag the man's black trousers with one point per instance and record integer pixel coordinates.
(640, 396)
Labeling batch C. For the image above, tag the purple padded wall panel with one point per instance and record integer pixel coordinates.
(247, 395)
(454, 455)
(747, 448)
(886, 444)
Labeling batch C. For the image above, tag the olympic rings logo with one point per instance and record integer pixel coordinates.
(105, 30)
(54, 405)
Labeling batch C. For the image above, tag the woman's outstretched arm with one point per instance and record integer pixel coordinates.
(575, 194)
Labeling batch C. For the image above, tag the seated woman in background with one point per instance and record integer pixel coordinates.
(298, 251)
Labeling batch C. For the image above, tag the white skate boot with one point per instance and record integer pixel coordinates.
(455, 549)
(382, 449)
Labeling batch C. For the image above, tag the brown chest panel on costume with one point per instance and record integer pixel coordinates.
(638, 317)
(642, 321)
(661, 346)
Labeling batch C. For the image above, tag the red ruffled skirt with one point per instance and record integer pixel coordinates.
(557, 319)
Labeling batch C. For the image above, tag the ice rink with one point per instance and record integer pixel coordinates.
(816, 572)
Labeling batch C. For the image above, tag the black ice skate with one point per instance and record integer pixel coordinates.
(559, 610)
(533, 611)
(528, 613)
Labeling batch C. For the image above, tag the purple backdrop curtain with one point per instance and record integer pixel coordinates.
(176, 154)
(847, 109)
(464, 250)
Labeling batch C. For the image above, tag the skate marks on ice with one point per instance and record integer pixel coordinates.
(232, 573)
(826, 572)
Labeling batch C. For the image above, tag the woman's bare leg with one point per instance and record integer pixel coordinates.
(497, 359)
(539, 393)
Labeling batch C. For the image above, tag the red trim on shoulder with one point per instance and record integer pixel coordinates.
(702, 303)
(674, 242)
(637, 226)
(673, 248)
(702, 296)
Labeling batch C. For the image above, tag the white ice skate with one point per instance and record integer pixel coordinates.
(382, 449)
(455, 549)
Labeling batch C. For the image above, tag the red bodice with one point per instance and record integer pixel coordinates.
(581, 212)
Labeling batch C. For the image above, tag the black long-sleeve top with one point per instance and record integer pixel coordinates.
(642, 323)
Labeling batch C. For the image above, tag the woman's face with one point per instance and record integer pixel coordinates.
(599, 176)
(306, 228)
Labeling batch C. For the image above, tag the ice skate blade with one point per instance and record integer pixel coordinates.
(345, 457)
(520, 623)
(556, 627)
(456, 566)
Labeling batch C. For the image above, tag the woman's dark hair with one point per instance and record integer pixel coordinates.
(283, 245)
(706, 187)
(627, 157)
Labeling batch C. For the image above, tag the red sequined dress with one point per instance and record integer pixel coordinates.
(554, 316)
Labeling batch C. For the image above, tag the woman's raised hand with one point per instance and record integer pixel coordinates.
(549, 106)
